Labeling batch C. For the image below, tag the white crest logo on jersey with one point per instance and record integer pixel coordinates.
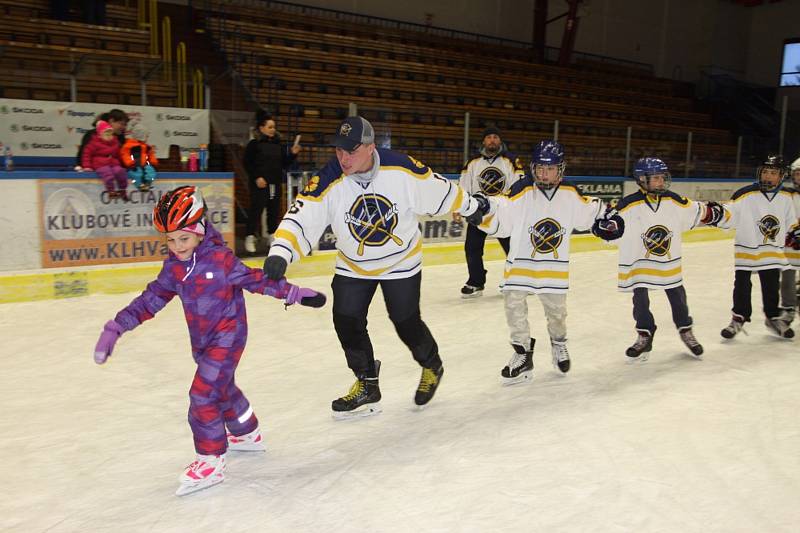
(657, 240)
(372, 219)
(546, 237)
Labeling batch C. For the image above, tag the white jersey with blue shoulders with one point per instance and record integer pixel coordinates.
(491, 175)
(374, 219)
(792, 255)
(540, 224)
(761, 220)
(650, 248)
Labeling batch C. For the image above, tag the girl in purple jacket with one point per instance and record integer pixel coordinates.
(101, 154)
(208, 279)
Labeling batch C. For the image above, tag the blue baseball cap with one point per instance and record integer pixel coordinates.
(353, 132)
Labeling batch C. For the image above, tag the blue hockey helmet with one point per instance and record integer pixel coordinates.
(547, 153)
(647, 167)
(771, 162)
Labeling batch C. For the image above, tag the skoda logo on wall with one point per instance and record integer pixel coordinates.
(24, 145)
(167, 133)
(14, 128)
(159, 117)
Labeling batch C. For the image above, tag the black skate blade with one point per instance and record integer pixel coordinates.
(369, 409)
(524, 377)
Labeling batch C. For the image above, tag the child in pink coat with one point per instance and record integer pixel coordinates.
(101, 154)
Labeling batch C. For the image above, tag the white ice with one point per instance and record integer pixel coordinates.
(674, 444)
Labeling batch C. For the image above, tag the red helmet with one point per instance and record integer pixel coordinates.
(178, 209)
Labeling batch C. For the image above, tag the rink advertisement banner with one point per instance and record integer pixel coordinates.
(81, 225)
(41, 128)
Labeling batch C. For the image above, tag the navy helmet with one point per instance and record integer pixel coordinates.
(548, 153)
(773, 162)
(651, 166)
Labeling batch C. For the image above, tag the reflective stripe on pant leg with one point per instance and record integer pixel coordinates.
(555, 309)
(237, 412)
(516, 307)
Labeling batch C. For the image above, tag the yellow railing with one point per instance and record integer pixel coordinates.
(153, 26)
(180, 74)
(198, 89)
(166, 47)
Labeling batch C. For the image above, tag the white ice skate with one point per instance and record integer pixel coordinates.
(250, 442)
(204, 472)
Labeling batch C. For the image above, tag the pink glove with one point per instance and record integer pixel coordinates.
(306, 297)
(106, 342)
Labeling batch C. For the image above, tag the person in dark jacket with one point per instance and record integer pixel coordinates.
(265, 159)
(117, 118)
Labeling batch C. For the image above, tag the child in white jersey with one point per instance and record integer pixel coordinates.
(649, 223)
(539, 215)
(764, 216)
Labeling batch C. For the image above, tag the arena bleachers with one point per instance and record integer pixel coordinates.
(39, 57)
(421, 85)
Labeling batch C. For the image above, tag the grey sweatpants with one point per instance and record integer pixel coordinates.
(788, 289)
(555, 310)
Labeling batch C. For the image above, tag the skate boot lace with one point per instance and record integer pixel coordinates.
(561, 352)
(517, 360)
(355, 391)
(641, 341)
(428, 380)
(689, 338)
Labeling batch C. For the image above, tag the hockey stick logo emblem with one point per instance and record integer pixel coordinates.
(657, 241)
(546, 237)
(491, 181)
(769, 227)
(372, 220)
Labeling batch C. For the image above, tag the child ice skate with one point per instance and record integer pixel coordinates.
(208, 279)
(101, 154)
(764, 216)
(539, 215)
(139, 158)
(649, 223)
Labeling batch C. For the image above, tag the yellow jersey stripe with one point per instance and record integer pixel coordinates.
(649, 272)
(536, 274)
(378, 271)
(289, 236)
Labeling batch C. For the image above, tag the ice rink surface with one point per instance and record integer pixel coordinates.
(673, 444)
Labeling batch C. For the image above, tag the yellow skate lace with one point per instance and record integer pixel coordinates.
(355, 390)
(427, 380)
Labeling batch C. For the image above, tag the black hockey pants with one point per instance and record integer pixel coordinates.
(351, 299)
(770, 292)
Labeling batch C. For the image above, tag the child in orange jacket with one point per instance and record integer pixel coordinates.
(139, 158)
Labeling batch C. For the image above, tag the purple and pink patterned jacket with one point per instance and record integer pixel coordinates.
(210, 288)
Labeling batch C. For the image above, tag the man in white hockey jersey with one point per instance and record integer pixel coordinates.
(764, 216)
(789, 287)
(371, 198)
(491, 173)
(539, 214)
(650, 223)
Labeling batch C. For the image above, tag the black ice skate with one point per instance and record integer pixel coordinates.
(690, 341)
(520, 368)
(428, 383)
(736, 325)
(560, 355)
(643, 345)
(471, 291)
(362, 400)
(780, 327)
